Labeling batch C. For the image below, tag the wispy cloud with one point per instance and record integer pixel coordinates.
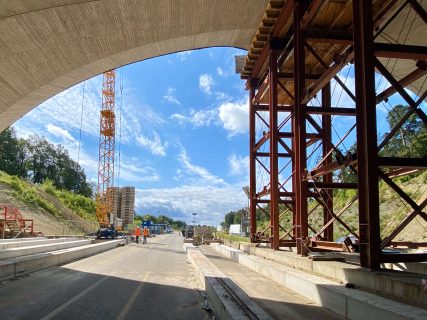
(234, 117)
(238, 165)
(153, 144)
(202, 175)
(182, 56)
(206, 82)
(170, 96)
(131, 172)
(197, 118)
(59, 132)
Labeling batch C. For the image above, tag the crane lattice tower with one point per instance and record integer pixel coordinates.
(104, 195)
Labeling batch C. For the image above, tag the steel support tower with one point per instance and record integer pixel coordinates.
(104, 195)
(301, 51)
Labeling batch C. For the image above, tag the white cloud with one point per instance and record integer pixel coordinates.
(154, 144)
(182, 56)
(130, 171)
(220, 71)
(197, 118)
(210, 203)
(206, 82)
(59, 132)
(221, 96)
(202, 174)
(238, 165)
(170, 96)
(234, 117)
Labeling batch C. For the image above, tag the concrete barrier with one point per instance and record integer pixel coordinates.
(349, 303)
(30, 250)
(214, 282)
(20, 239)
(14, 267)
(390, 284)
(13, 243)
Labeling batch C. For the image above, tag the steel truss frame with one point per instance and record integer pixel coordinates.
(291, 131)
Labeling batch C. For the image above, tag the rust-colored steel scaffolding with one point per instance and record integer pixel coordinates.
(104, 195)
(298, 62)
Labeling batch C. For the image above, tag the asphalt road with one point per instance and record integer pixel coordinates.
(152, 281)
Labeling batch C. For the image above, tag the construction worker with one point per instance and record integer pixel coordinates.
(145, 233)
(137, 234)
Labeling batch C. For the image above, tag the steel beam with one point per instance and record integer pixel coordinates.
(274, 140)
(327, 195)
(405, 81)
(369, 224)
(252, 162)
(301, 188)
(419, 9)
(400, 51)
(394, 162)
(331, 111)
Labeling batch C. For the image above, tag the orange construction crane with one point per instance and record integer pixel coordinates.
(104, 195)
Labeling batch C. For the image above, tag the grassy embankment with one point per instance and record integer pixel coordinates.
(29, 194)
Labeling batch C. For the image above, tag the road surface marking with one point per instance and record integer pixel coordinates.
(71, 301)
(132, 299)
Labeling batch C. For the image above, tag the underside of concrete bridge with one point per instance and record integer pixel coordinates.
(49, 46)
(296, 50)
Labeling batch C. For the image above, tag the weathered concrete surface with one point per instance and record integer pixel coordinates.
(16, 243)
(14, 267)
(349, 303)
(152, 281)
(277, 300)
(48, 46)
(403, 287)
(223, 304)
(39, 248)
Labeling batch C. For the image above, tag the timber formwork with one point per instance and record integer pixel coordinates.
(297, 71)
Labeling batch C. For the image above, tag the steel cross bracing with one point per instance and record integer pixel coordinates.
(296, 72)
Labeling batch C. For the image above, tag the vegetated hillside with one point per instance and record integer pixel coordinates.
(393, 209)
(33, 202)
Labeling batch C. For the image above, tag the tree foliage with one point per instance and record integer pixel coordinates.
(175, 224)
(39, 160)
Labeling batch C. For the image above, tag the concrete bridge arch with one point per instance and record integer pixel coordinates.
(49, 46)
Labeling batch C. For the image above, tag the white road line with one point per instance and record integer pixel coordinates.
(132, 299)
(71, 301)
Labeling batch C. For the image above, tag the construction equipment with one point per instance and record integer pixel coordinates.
(104, 195)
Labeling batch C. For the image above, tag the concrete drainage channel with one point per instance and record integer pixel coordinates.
(227, 299)
(20, 257)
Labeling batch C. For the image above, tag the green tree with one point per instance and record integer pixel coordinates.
(410, 139)
(11, 153)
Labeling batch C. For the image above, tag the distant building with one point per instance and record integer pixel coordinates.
(235, 229)
(124, 204)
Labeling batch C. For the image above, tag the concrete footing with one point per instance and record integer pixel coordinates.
(400, 286)
(347, 302)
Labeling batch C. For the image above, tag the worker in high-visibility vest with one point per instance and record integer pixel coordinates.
(145, 234)
(137, 234)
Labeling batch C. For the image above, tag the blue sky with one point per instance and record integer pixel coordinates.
(184, 140)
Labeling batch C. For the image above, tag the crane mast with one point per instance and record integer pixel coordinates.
(104, 195)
